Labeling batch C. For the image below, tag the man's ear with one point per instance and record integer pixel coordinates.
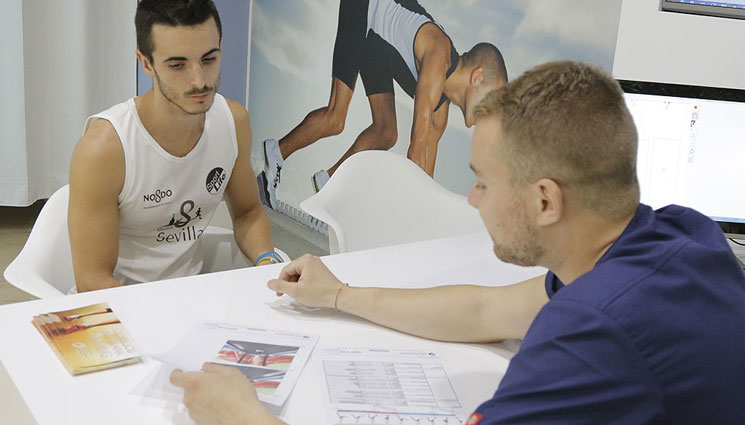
(549, 201)
(477, 76)
(147, 66)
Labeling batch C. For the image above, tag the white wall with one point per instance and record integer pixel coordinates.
(679, 48)
(69, 59)
(12, 117)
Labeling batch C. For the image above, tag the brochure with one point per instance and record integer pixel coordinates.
(88, 338)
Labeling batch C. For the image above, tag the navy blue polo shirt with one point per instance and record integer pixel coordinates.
(653, 334)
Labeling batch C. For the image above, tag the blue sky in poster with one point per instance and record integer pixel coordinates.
(292, 44)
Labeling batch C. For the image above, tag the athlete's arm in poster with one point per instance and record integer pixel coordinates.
(432, 48)
(439, 123)
(250, 222)
(96, 178)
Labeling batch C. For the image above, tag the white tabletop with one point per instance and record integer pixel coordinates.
(159, 314)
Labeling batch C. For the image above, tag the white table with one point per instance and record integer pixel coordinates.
(159, 314)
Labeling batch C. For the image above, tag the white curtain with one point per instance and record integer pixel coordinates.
(63, 61)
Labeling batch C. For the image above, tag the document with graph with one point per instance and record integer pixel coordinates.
(382, 386)
(272, 360)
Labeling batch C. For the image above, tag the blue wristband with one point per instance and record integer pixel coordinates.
(271, 255)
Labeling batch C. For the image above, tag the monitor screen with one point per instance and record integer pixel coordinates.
(691, 148)
(727, 9)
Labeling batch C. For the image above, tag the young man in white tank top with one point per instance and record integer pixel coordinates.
(148, 174)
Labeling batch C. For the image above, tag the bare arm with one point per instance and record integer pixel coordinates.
(439, 123)
(462, 313)
(432, 49)
(96, 178)
(250, 223)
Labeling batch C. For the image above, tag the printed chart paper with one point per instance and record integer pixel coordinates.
(381, 386)
(272, 360)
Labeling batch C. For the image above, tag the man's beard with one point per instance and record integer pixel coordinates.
(170, 96)
(523, 248)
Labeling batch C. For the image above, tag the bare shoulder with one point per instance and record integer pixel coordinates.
(100, 142)
(242, 126)
(99, 153)
(431, 39)
(240, 114)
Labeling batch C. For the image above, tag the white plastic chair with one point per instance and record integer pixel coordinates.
(378, 198)
(43, 268)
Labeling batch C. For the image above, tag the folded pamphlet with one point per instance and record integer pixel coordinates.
(87, 339)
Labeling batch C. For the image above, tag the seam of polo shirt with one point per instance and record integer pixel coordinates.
(631, 285)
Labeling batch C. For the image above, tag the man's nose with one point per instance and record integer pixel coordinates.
(197, 76)
(473, 197)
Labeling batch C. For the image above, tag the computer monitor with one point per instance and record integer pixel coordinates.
(725, 9)
(691, 149)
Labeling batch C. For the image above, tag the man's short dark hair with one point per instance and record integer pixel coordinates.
(173, 13)
(489, 58)
(569, 122)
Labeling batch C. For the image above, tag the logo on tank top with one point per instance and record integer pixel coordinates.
(215, 180)
(178, 228)
(157, 198)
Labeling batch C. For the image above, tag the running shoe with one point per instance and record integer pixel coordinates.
(263, 193)
(273, 162)
(320, 179)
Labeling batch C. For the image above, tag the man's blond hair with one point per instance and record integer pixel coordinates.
(568, 122)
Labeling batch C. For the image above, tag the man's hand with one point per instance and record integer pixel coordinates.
(309, 281)
(221, 395)
(457, 313)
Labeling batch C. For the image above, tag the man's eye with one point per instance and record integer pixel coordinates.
(211, 59)
(176, 65)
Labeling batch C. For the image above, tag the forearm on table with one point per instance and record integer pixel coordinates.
(447, 313)
(253, 233)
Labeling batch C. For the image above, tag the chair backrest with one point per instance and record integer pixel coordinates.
(378, 198)
(43, 268)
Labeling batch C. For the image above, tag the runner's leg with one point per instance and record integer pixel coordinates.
(381, 134)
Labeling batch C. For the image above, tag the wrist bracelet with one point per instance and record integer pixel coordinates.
(336, 298)
(266, 259)
(269, 256)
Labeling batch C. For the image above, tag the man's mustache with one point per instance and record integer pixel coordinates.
(203, 90)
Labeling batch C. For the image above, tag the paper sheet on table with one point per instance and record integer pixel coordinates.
(382, 386)
(272, 360)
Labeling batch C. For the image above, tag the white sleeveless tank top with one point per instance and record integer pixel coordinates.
(166, 201)
(398, 26)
